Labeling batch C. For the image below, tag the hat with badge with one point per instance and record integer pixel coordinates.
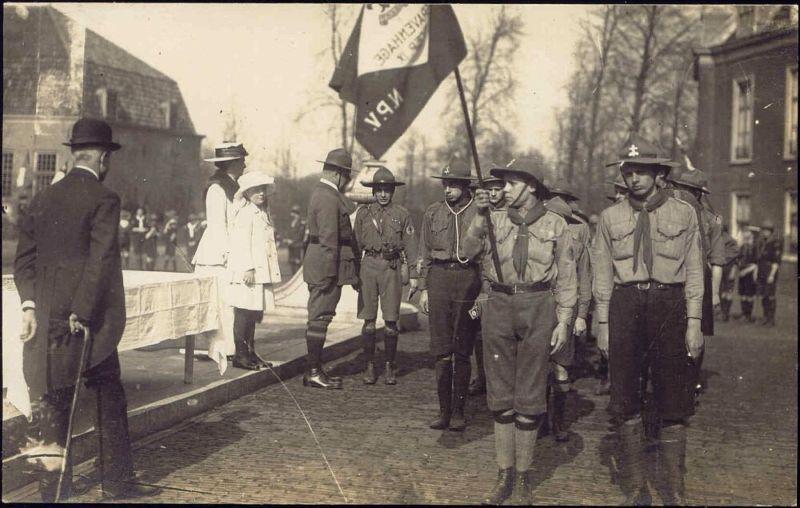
(456, 169)
(561, 189)
(92, 132)
(340, 159)
(694, 178)
(638, 150)
(382, 177)
(228, 152)
(526, 168)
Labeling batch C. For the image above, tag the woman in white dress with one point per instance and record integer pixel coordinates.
(213, 249)
(252, 265)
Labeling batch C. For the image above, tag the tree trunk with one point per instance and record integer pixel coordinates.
(644, 69)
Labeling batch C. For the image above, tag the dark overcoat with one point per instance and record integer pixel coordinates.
(332, 249)
(68, 260)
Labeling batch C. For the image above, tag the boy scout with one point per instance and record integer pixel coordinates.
(578, 234)
(648, 287)
(449, 285)
(525, 319)
(331, 260)
(385, 234)
(768, 252)
(728, 283)
(497, 201)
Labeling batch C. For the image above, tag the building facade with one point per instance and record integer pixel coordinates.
(56, 71)
(747, 120)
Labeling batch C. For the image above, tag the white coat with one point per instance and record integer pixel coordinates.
(213, 247)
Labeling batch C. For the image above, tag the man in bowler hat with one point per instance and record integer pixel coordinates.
(68, 273)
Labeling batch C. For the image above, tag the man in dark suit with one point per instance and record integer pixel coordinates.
(331, 260)
(68, 274)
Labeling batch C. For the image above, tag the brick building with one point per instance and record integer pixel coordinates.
(56, 71)
(747, 116)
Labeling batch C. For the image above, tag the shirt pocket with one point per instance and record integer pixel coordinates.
(670, 239)
(440, 234)
(541, 245)
(621, 234)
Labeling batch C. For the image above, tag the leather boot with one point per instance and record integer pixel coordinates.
(369, 374)
(461, 373)
(631, 436)
(444, 389)
(390, 374)
(502, 489)
(522, 494)
(316, 378)
(673, 461)
(559, 402)
(726, 309)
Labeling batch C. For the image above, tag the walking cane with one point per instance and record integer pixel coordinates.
(87, 340)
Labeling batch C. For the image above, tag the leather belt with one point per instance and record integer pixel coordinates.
(453, 265)
(650, 284)
(514, 289)
(315, 239)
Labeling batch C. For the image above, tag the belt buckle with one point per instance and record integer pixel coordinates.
(642, 286)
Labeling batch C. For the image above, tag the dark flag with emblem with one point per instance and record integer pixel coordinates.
(393, 62)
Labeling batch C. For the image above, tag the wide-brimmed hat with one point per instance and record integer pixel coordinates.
(228, 152)
(618, 183)
(526, 167)
(694, 178)
(560, 207)
(296, 209)
(252, 179)
(560, 188)
(456, 169)
(487, 181)
(92, 132)
(339, 158)
(640, 151)
(382, 177)
(768, 224)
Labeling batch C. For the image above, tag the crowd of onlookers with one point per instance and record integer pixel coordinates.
(164, 242)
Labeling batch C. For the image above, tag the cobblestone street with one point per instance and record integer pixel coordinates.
(742, 442)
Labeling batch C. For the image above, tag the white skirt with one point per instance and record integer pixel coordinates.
(253, 297)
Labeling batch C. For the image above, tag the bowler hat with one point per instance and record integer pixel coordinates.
(694, 178)
(560, 188)
(339, 158)
(528, 168)
(640, 151)
(382, 177)
(456, 169)
(92, 132)
(228, 152)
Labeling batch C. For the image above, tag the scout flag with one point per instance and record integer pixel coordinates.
(393, 62)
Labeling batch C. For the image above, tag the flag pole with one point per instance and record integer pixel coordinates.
(490, 228)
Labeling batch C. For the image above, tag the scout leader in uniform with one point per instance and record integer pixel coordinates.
(648, 287)
(331, 260)
(449, 283)
(524, 319)
(68, 273)
(385, 235)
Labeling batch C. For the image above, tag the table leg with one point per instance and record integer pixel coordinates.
(188, 367)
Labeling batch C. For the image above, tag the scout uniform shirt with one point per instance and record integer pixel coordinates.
(440, 237)
(677, 255)
(391, 230)
(549, 257)
(580, 241)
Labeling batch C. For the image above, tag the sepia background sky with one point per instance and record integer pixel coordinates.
(266, 62)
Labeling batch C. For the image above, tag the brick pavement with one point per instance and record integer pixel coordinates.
(742, 442)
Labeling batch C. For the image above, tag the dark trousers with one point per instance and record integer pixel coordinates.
(451, 294)
(112, 418)
(322, 304)
(647, 331)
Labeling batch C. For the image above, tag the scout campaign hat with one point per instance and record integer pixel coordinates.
(382, 177)
(618, 183)
(695, 179)
(527, 168)
(456, 169)
(91, 132)
(252, 179)
(228, 152)
(560, 207)
(339, 158)
(640, 151)
(560, 188)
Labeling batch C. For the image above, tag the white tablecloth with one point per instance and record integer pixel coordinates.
(159, 306)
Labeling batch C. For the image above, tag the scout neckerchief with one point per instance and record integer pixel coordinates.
(642, 232)
(457, 233)
(520, 253)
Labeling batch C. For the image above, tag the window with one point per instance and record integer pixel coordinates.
(742, 120)
(8, 173)
(45, 170)
(169, 113)
(740, 213)
(108, 103)
(747, 19)
(790, 225)
(790, 129)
